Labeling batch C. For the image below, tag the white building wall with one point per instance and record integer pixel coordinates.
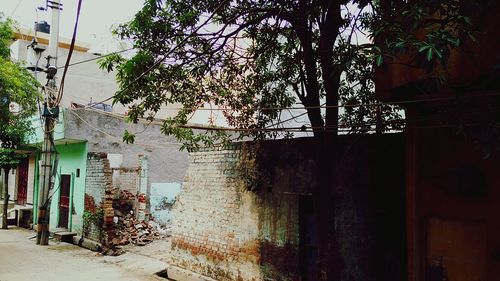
(84, 82)
(13, 184)
(31, 179)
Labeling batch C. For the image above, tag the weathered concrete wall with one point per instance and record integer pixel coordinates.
(152, 158)
(162, 198)
(248, 213)
(86, 81)
(104, 133)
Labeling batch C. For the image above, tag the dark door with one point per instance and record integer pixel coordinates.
(64, 201)
(22, 182)
(308, 243)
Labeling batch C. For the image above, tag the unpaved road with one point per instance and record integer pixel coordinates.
(21, 259)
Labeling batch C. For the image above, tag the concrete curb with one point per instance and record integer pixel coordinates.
(87, 243)
(180, 274)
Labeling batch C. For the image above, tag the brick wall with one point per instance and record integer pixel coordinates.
(215, 228)
(98, 185)
(95, 179)
(126, 179)
(247, 213)
(224, 230)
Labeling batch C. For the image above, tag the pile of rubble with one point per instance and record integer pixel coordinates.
(129, 230)
(126, 229)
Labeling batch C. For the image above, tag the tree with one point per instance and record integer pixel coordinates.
(18, 97)
(254, 59)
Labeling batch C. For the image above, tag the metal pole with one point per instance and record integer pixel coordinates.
(50, 113)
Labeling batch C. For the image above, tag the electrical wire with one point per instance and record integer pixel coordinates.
(38, 98)
(15, 9)
(96, 58)
(169, 145)
(346, 127)
(326, 106)
(71, 48)
(408, 123)
(158, 62)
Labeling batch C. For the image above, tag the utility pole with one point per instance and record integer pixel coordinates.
(50, 114)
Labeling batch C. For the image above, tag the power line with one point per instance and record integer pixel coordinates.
(340, 127)
(169, 145)
(98, 57)
(326, 129)
(408, 123)
(71, 48)
(158, 62)
(324, 106)
(15, 9)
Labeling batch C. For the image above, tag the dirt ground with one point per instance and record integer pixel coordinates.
(21, 259)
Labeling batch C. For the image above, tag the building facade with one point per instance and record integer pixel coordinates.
(85, 128)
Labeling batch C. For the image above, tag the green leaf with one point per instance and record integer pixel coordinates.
(438, 53)
(18, 86)
(467, 20)
(423, 48)
(429, 54)
(128, 137)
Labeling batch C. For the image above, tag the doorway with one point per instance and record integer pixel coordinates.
(64, 201)
(308, 243)
(22, 182)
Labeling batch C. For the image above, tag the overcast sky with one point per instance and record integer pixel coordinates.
(96, 18)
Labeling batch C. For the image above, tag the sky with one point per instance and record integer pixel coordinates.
(96, 18)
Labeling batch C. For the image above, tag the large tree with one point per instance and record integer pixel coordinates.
(255, 59)
(18, 99)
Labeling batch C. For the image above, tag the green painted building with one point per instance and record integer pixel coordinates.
(68, 192)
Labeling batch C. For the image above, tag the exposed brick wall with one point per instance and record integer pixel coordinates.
(98, 185)
(126, 179)
(96, 178)
(93, 232)
(215, 220)
(241, 213)
(224, 230)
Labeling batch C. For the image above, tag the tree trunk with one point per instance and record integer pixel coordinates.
(311, 100)
(324, 196)
(5, 198)
(329, 262)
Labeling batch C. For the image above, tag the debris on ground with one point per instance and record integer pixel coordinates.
(127, 229)
(130, 230)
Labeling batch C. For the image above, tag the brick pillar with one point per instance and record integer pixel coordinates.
(143, 194)
(107, 203)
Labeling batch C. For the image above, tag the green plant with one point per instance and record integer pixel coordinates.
(95, 219)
